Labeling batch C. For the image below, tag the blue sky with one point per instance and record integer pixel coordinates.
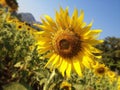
(105, 13)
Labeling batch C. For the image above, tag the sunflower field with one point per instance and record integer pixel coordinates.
(57, 54)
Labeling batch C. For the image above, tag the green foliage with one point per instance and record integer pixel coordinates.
(111, 52)
(14, 86)
(19, 59)
(90, 81)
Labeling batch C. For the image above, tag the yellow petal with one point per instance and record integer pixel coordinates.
(77, 66)
(56, 60)
(46, 26)
(41, 43)
(59, 62)
(93, 41)
(50, 20)
(68, 70)
(43, 21)
(94, 33)
(81, 17)
(95, 50)
(83, 24)
(42, 33)
(75, 14)
(65, 19)
(73, 22)
(87, 62)
(86, 29)
(48, 55)
(48, 29)
(58, 20)
(99, 57)
(63, 66)
(44, 49)
(61, 10)
(51, 59)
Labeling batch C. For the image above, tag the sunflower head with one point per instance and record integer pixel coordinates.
(68, 41)
(94, 65)
(118, 87)
(12, 4)
(112, 76)
(3, 2)
(118, 83)
(118, 80)
(19, 26)
(65, 85)
(100, 69)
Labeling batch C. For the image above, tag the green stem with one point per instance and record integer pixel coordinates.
(48, 82)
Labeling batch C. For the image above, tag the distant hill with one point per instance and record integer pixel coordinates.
(29, 18)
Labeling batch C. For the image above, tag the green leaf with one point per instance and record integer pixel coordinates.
(44, 80)
(14, 86)
(18, 64)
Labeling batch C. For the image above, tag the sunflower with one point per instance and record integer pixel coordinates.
(112, 76)
(68, 41)
(3, 2)
(20, 25)
(118, 83)
(65, 85)
(118, 87)
(100, 69)
(12, 4)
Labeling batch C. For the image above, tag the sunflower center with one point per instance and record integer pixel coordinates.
(66, 88)
(101, 70)
(66, 43)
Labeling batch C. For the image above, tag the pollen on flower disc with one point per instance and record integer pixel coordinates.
(66, 43)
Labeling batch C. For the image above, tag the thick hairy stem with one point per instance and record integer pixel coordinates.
(46, 86)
